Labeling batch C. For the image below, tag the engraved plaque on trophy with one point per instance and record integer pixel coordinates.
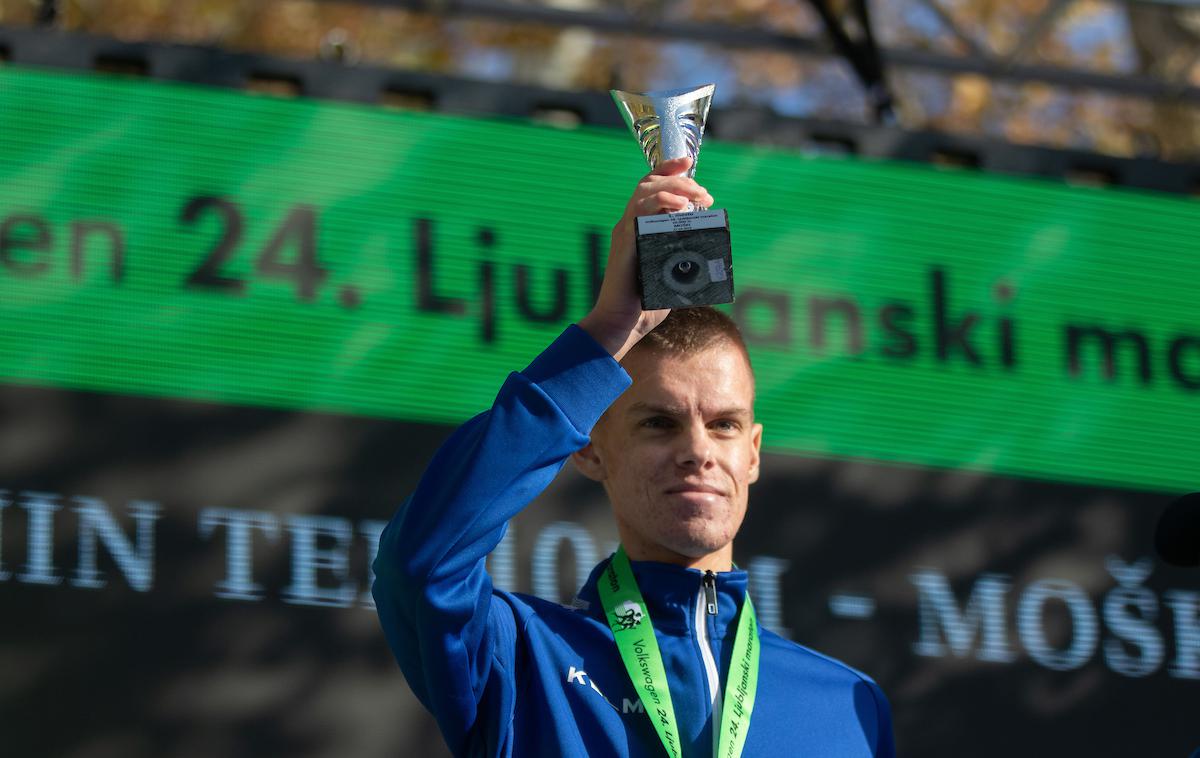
(684, 258)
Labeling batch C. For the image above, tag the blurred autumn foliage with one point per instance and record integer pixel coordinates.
(1126, 38)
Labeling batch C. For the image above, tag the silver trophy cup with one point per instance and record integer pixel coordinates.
(684, 258)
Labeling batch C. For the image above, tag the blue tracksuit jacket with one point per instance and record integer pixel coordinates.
(509, 674)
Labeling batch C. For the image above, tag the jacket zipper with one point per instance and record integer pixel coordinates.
(706, 607)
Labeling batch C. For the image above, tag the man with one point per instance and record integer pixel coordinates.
(664, 655)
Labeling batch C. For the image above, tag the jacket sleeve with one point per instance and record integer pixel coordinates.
(455, 642)
(885, 741)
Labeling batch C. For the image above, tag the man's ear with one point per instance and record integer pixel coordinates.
(756, 442)
(587, 460)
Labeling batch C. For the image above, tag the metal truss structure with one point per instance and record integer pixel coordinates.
(976, 58)
(42, 46)
(1006, 66)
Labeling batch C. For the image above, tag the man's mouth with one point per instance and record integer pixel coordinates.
(699, 489)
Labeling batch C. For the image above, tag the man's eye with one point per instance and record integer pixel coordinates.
(656, 422)
(726, 425)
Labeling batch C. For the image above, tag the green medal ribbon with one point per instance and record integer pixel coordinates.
(634, 634)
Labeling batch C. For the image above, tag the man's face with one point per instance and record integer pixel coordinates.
(677, 453)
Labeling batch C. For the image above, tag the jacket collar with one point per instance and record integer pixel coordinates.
(671, 594)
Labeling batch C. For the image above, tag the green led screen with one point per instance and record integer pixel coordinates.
(169, 240)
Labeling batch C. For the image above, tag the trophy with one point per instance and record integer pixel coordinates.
(684, 258)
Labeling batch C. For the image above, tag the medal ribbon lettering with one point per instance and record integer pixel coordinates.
(634, 634)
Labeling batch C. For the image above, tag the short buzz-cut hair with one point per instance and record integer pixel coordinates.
(687, 331)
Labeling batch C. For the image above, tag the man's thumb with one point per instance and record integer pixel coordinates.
(673, 166)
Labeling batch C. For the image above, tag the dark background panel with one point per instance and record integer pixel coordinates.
(178, 671)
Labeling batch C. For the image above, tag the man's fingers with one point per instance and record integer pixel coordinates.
(672, 167)
(659, 202)
(664, 201)
(678, 186)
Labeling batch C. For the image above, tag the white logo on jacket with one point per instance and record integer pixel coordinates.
(580, 677)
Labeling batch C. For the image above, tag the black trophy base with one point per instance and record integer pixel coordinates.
(684, 259)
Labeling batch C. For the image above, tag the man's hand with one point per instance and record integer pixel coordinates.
(617, 321)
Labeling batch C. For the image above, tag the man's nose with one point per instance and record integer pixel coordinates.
(694, 448)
